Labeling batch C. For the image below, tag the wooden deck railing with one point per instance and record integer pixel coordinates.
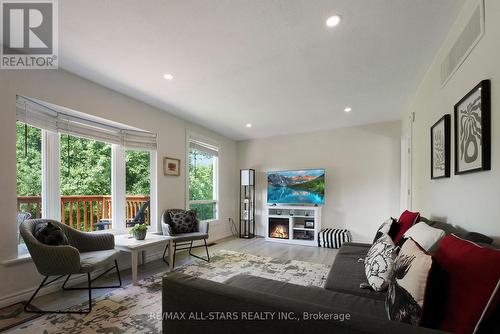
(83, 212)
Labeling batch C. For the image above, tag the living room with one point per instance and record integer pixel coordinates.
(154, 146)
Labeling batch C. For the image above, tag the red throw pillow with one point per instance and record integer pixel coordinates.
(461, 286)
(406, 220)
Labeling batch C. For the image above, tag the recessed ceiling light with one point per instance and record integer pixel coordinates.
(248, 125)
(168, 76)
(333, 21)
(348, 109)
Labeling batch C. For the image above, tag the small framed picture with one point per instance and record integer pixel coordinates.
(309, 223)
(440, 148)
(171, 166)
(472, 130)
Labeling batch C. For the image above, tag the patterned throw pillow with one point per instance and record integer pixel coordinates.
(387, 227)
(50, 234)
(405, 296)
(379, 263)
(183, 221)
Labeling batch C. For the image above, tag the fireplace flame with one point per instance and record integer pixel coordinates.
(279, 232)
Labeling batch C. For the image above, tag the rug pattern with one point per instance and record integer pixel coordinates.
(133, 309)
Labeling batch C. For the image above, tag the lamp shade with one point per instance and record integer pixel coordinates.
(247, 177)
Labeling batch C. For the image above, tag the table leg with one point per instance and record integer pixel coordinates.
(143, 257)
(170, 255)
(134, 266)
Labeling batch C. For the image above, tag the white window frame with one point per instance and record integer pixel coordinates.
(51, 175)
(192, 136)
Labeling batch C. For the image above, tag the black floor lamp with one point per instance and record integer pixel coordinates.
(247, 203)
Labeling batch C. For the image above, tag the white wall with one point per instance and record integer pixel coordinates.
(362, 172)
(68, 90)
(470, 201)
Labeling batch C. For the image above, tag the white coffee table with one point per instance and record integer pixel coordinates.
(130, 245)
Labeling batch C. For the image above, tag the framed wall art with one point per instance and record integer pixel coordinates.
(472, 130)
(171, 166)
(440, 148)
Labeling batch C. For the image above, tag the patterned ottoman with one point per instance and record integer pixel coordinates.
(333, 237)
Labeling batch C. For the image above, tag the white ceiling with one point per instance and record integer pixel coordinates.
(272, 63)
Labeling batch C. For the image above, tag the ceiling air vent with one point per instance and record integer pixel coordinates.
(463, 46)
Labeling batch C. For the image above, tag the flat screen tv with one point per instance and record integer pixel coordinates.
(296, 187)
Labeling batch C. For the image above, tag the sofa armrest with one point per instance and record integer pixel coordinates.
(222, 308)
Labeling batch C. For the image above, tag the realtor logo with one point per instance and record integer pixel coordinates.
(29, 34)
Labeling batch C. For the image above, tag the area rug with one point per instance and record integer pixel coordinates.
(14, 315)
(136, 309)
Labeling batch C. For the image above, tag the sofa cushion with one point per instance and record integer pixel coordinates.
(406, 220)
(461, 286)
(406, 293)
(348, 272)
(379, 263)
(478, 238)
(447, 228)
(310, 294)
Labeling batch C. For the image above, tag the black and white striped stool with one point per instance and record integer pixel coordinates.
(333, 237)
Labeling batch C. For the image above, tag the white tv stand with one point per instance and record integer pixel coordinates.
(292, 224)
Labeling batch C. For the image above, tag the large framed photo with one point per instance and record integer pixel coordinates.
(472, 130)
(440, 148)
(171, 166)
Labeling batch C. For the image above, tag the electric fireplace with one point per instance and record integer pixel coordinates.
(278, 228)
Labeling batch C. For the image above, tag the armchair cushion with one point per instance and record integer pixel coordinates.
(182, 221)
(189, 236)
(91, 261)
(50, 234)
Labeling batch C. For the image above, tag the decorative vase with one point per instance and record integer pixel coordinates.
(140, 235)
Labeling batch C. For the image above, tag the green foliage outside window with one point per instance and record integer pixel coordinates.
(87, 170)
(29, 161)
(201, 176)
(137, 172)
(201, 184)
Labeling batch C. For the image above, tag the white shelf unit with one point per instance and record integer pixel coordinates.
(291, 220)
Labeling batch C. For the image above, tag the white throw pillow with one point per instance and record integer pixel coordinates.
(379, 263)
(427, 237)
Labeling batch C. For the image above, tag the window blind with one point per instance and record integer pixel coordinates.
(204, 147)
(58, 119)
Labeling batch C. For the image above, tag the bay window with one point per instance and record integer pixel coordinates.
(82, 170)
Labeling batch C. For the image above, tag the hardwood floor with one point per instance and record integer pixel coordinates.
(257, 246)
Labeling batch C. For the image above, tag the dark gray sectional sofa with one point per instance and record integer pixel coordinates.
(201, 299)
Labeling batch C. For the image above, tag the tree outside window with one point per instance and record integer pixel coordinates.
(203, 184)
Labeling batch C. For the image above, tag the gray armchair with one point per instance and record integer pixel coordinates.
(86, 253)
(21, 216)
(184, 239)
